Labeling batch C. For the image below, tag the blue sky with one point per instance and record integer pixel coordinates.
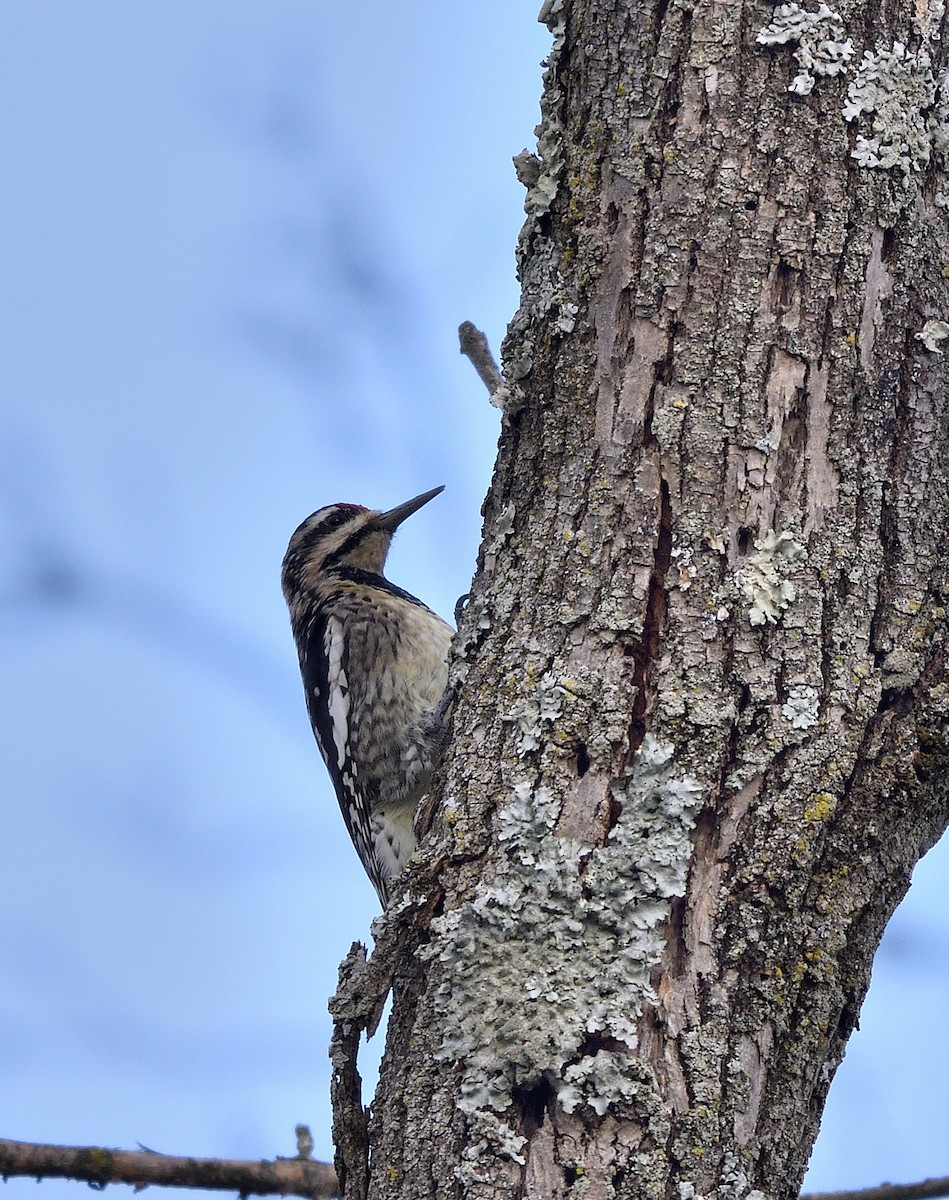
(236, 241)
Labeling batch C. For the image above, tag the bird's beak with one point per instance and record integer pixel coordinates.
(392, 519)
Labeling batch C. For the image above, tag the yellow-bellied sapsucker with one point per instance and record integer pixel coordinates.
(374, 662)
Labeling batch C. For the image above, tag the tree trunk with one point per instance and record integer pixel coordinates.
(701, 737)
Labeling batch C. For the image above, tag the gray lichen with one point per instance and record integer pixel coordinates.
(932, 333)
(598, 1080)
(488, 1132)
(503, 528)
(802, 707)
(822, 48)
(532, 713)
(568, 317)
(763, 578)
(543, 191)
(893, 89)
(684, 568)
(509, 400)
(735, 1184)
(554, 953)
(896, 90)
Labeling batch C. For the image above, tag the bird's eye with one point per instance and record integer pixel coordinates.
(323, 522)
(335, 520)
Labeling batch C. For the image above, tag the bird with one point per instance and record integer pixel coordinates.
(374, 664)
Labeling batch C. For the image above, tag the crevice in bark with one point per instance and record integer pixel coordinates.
(533, 1105)
(784, 288)
(826, 634)
(596, 1041)
(646, 651)
(614, 810)
(889, 545)
(897, 701)
(675, 959)
(793, 439)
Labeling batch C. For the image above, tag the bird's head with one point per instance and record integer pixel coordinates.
(340, 537)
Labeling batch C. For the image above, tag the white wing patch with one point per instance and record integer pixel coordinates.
(337, 702)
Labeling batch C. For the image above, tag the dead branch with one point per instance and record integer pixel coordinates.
(474, 345)
(98, 1166)
(889, 1191)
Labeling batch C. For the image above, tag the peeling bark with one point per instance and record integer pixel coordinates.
(701, 737)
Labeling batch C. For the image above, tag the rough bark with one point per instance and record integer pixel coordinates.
(701, 737)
